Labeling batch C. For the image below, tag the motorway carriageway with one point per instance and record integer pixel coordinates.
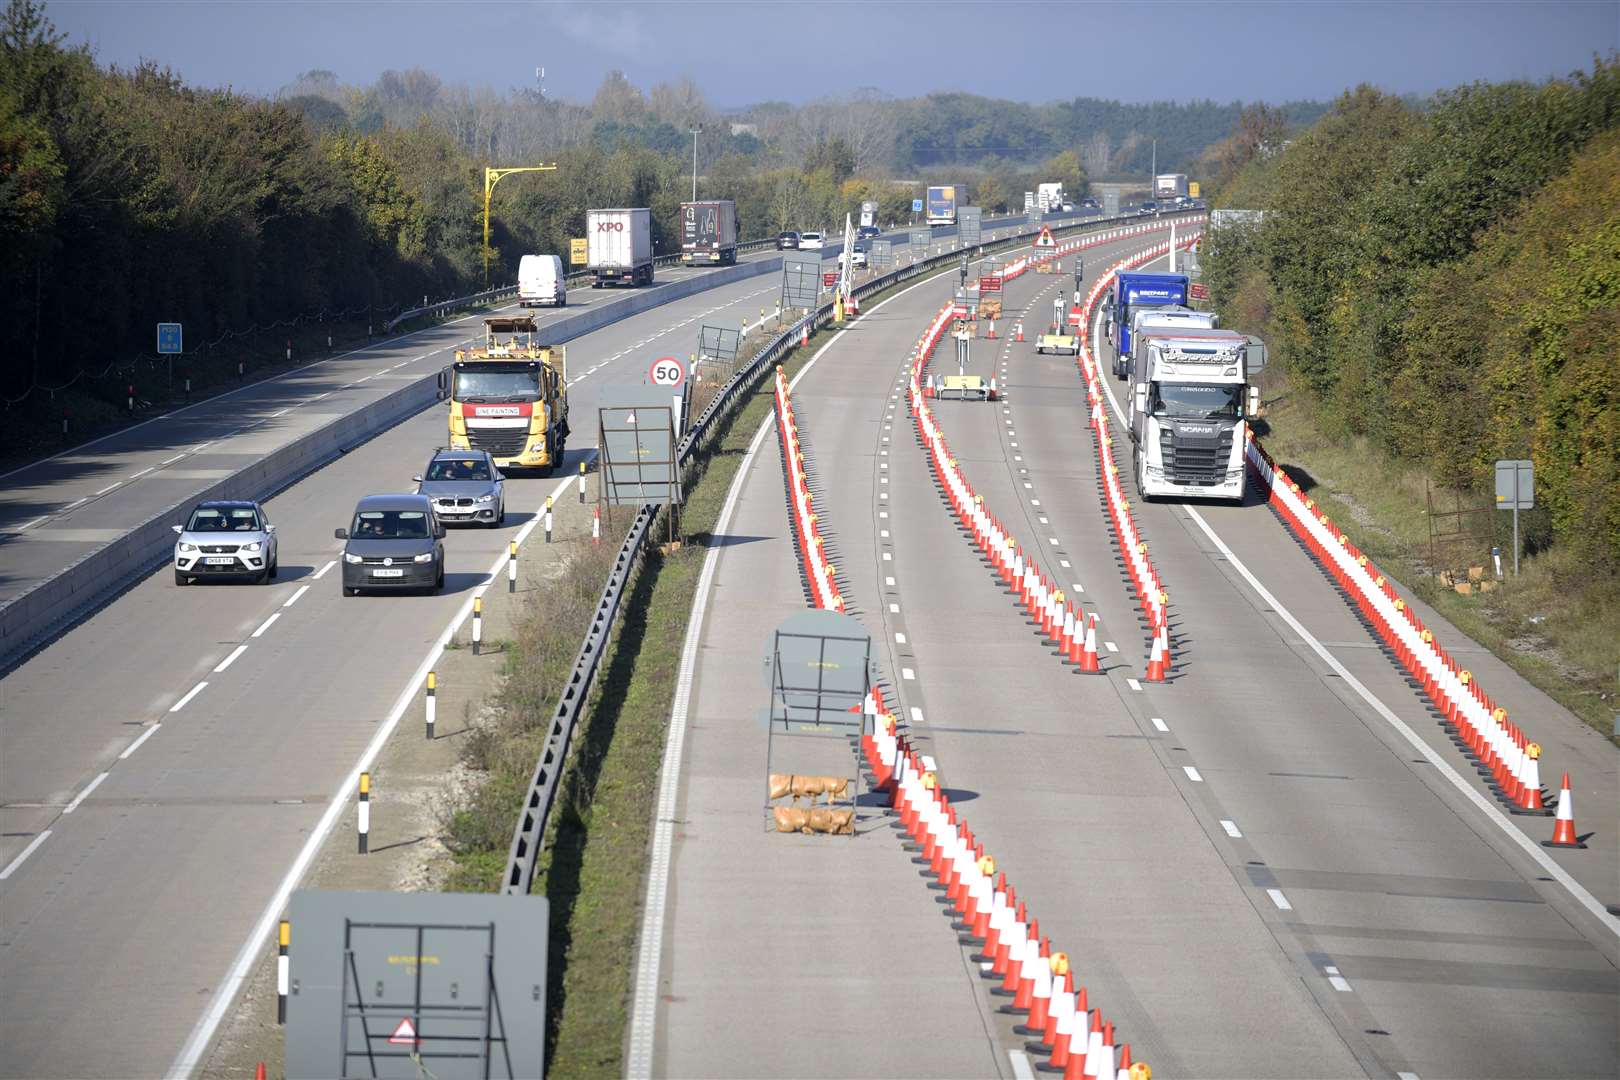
(55, 511)
(1254, 872)
(180, 745)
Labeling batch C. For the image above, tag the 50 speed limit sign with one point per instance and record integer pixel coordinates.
(667, 371)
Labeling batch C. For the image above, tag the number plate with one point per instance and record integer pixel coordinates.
(220, 560)
(388, 573)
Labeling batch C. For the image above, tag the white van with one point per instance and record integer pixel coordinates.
(540, 281)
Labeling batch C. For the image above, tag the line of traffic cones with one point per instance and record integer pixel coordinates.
(819, 573)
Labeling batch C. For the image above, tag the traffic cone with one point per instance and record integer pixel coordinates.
(804, 333)
(1040, 1006)
(1564, 827)
(259, 1073)
(596, 526)
(1531, 802)
(1018, 331)
(1088, 654)
(1155, 669)
(992, 334)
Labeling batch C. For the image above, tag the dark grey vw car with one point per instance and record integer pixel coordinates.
(465, 485)
(393, 543)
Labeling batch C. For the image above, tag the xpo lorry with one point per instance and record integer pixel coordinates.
(1133, 292)
(1189, 406)
(941, 204)
(618, 247)
(709, 232)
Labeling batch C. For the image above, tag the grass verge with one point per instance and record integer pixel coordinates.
(1558, 628)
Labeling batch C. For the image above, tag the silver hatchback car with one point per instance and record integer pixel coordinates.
(225, 540)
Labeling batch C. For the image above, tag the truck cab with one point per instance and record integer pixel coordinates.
(1189, 406)
(510, 396)
(1133, 292)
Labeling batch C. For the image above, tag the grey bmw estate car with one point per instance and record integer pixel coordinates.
(465, 485)
(393, 543)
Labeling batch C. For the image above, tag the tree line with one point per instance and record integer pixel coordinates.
(1446, 283)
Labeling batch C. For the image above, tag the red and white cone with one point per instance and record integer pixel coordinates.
(1155, 668)
(1531, 800)
(1564, 827)
(1018, 331)
(804, 333)
(596, 525)
(1088, 654)
(991, 335)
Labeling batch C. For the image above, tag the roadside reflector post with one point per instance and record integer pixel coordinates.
(282, 940)
(511, 569)
(548, 519)
(188, 387)
(328, 342)
(478, 623)
(432, 701)
(241, 370)
(131, 397)
(582, 483)
(365, 810)
(289, 350)
(596, 524)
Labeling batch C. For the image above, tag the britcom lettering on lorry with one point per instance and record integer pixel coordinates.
(941, 205)
(1132, 292)
(1189, 405)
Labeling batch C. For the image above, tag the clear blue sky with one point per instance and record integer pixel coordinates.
(743, 52)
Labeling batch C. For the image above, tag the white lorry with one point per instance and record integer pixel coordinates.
(541, 281)
(1049, 197)
(1189, 406)
(618, 247)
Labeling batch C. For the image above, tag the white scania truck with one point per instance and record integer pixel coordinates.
(1190, 403)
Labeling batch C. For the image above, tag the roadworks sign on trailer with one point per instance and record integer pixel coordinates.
(1045, 239)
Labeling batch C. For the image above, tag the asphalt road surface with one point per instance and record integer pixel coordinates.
(1254, 870)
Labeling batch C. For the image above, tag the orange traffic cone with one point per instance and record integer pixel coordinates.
(991, 335)
(1564, 827)
(1155, 669)
(596, 526)
(258, 1073)
(1018, 331)
(1088, 654)
(804, 333)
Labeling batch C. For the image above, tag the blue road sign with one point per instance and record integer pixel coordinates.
(168, 338)
(916, 206)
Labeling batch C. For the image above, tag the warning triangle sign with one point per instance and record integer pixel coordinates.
(405, 1034)
(1045, 239)
(630, 419)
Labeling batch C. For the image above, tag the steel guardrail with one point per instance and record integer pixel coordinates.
(523, 856)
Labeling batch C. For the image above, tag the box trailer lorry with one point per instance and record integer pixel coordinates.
(941, 204)
(709, 232)
(1135, 291)
(1170, 187)
(618, 247)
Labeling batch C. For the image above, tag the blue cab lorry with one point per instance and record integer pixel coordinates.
(1133, 293)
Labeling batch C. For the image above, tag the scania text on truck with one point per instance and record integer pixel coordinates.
(618, 247)
(510, 396)
(1134, 291)
(941, 204)
(709, 232)
(1170, 187)
(1189, 405)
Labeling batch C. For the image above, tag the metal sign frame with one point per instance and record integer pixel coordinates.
(718, 343)
(968, 229)
(1515, 491)
(801, 280)
(636, 439)
(881, 254)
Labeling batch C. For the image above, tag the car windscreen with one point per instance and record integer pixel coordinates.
(458, 469)
(226, 519)
(390, 525)
(522, 384)
(1197, 401)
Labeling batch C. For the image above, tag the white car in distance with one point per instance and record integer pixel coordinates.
(811, 240)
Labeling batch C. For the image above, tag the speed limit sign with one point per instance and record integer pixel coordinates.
(667, 371)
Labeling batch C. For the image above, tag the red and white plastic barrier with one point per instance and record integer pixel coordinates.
(818, 572)
(1480, 727)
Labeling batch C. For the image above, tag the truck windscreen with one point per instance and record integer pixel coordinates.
(523, 384)
(1197, 401)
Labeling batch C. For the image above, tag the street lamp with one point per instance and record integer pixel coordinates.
(695, 130)
(491, 178)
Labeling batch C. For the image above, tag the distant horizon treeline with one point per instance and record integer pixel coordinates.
(1446, 285)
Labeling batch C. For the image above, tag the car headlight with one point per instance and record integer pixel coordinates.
(487, 498)
(426, 557)
(351, 559)
(255, 546)
(187, 547)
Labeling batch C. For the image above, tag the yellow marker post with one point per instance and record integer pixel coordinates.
(548, 519)
(478, 624)
(582, 483)
(365, 810)
(283, 939)
(511, 567)
(432, 701)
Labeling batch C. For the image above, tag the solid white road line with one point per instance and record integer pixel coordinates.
(27, 851)
(225, 992)
(193, 692)
(231, 659)
(1442, 766)
(644, 1003)
(136, 745)
(85, 794)
(266, 624)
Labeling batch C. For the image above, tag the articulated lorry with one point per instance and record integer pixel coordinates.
(1189, 406)
(709, 232)
(1169, 187)
(941, 204)
(618, 247)
(510, 396)
(1134, 292)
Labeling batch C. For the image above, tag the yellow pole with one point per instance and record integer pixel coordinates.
(491, 178)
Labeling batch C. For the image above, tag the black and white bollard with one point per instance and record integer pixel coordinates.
(365, 810)
(282, 972)
(548, 519)
(432, 701)
(478, 624)
(511, 569)
(582, 483)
